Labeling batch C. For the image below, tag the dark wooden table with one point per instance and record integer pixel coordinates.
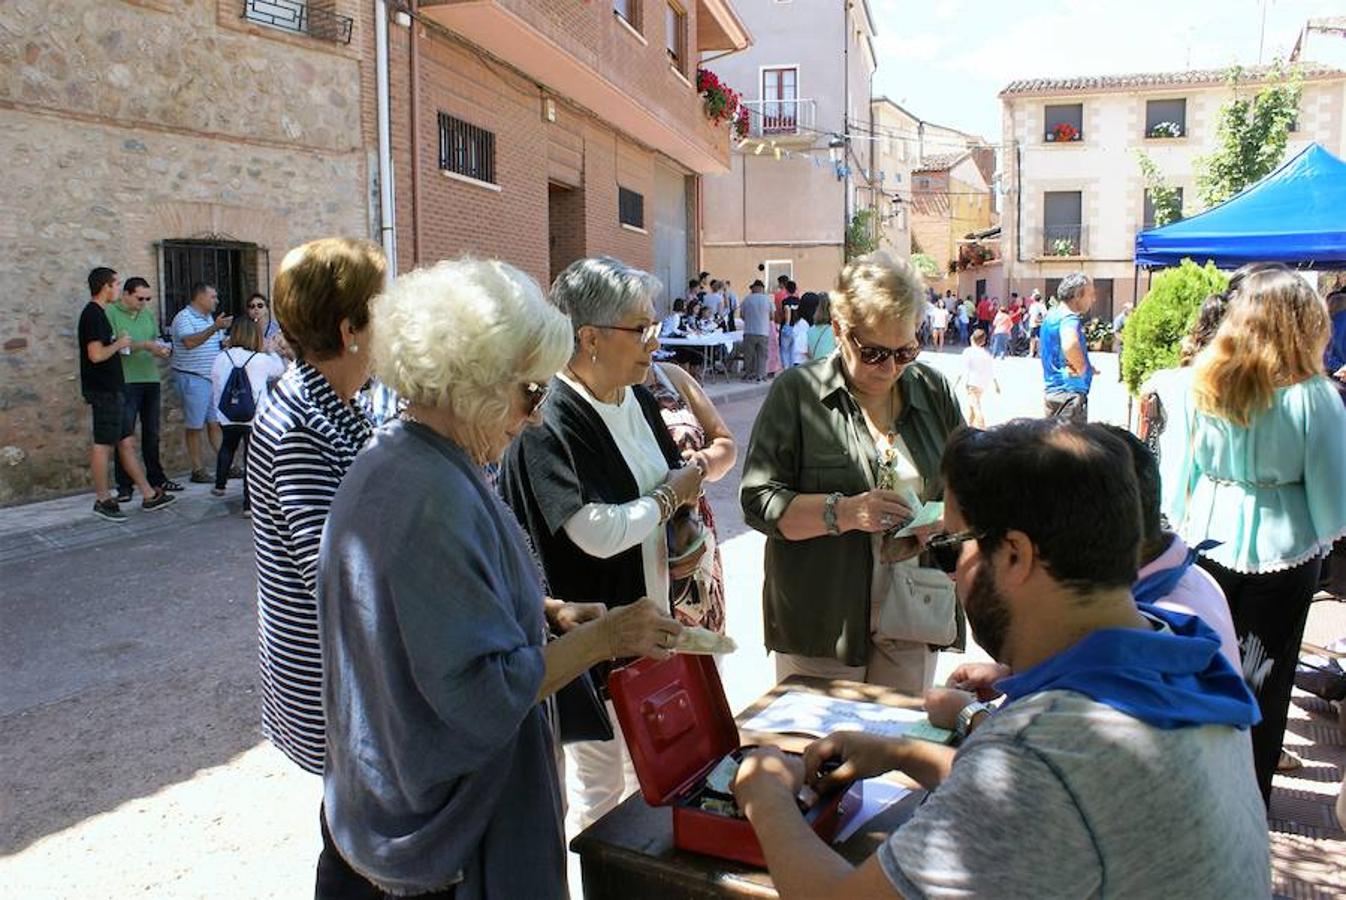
(629, 853)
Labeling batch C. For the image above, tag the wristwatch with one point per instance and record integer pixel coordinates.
(963, 724)
(830, 513)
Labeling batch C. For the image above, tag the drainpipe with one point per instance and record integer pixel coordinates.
(387, 223)
(845, 124)
(415, 117)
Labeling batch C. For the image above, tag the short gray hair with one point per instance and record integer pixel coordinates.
(600, 290)
(1072, 286)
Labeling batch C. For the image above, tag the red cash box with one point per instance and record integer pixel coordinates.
(678, 726)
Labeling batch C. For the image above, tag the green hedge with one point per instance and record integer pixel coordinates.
(1154, 331)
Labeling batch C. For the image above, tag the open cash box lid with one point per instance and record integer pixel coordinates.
(676, 721)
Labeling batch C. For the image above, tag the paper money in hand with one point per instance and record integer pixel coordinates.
(703, 641)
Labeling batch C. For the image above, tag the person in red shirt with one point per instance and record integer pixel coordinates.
(986, 310)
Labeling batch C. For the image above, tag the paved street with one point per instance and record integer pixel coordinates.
(131, 762)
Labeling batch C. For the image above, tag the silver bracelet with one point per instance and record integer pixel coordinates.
(830, 514)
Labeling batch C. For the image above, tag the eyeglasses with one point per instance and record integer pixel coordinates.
(256, 306)
(534, 395)
(945, 549)
(876, 356)
(647, 332)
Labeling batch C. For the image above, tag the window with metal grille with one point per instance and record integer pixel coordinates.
(234, 268)
(630, 207)
(466, 149)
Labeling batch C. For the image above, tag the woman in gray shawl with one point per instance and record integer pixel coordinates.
(441, 774)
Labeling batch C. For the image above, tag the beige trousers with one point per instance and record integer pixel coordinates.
(906, 667)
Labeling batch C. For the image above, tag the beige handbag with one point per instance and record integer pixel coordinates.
(919, 606)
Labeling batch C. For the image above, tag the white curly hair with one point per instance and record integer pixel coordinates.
(463, 334)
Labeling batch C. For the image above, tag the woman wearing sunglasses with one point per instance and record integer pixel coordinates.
(441, 775)
(273, 341)
(841, 450)
(596, 483)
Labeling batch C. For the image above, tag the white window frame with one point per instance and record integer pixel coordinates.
(770, 279)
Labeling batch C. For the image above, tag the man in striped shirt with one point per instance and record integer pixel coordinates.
(196, 342)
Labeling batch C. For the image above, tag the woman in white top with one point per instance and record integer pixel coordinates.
(596, 482)
(245, 352)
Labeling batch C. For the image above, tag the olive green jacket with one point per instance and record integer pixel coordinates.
(810, 438)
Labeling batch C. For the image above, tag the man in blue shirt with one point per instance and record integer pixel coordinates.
(1066, 371)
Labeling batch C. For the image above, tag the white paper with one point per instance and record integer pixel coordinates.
(878, 796)
(819, 716)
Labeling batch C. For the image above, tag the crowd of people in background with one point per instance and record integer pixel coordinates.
(122, 348)
(541, 457)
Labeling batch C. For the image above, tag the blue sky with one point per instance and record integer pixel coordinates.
(945, 60)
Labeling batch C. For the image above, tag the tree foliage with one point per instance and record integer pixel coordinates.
(861, 235)
(1163, 196)
(1154, 331)
(1251, 136)
(924, 264)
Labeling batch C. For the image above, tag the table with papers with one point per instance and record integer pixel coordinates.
(630, 852)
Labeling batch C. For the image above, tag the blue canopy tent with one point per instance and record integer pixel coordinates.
(1296, 215)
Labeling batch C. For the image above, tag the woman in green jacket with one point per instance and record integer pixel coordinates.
(841, 448)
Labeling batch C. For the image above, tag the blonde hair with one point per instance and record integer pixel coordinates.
(245, 334)
(464, 334)
(1273, 336)
(321, 284)
(876, 288)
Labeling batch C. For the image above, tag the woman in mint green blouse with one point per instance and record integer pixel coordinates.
(1266, 477)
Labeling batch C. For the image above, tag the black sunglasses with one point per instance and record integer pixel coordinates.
(945, 549)
(876, 356)
(534, 395)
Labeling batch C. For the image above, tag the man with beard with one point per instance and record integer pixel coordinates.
(1120, 762)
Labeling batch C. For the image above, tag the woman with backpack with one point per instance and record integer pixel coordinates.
(239, 379)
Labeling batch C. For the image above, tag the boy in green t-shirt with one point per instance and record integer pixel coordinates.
(131, 314)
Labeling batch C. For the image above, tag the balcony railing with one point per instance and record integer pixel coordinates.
(1065, 240)
(300, 17)
(780, 118)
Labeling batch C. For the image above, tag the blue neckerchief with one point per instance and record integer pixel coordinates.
(1168, 680)
(1158, 585)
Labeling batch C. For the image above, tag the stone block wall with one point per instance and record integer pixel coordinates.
(127, 123)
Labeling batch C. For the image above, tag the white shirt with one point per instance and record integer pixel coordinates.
(939, 318)
(1037, 311)
(260, 368)
(605, 529)
(980, 367)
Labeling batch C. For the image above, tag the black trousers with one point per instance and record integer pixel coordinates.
(141, 401)
(231, 437)
(1269, 612)
(338, 881)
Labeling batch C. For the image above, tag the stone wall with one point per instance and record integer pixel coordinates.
(127, 123)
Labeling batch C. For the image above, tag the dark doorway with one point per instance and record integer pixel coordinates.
(565, 226)
(981, 288)
(1104, 306)
(236, 269)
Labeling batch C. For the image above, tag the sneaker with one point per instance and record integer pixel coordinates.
(123, 495)
(108, 509)
(158, 501)
(201, 476)
(171, 486)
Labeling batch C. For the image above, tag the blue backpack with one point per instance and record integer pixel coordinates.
(236, 401)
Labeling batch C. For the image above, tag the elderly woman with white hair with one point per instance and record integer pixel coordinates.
(441, 774)
(596, 484)
(843, 448)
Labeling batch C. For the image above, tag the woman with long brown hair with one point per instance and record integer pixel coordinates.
(1263, 477)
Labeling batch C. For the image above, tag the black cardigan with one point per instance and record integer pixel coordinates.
(554, 469)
